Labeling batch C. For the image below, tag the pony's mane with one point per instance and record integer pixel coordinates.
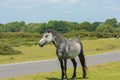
(53, 32)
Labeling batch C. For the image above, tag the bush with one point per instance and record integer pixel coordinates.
(91, 34)
(19, 35)
(7, 50)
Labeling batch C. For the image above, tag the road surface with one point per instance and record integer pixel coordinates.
(19, 69)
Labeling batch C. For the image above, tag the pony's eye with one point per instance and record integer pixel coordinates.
(46, 36)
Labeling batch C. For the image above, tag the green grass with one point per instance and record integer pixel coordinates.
(109, 71)
(32, 53)
(98, 46)
(29, 54)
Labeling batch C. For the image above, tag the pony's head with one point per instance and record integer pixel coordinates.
(47, 37)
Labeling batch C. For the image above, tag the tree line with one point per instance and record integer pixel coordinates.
(108, 26)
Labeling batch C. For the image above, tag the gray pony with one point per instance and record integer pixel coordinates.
(65, 49)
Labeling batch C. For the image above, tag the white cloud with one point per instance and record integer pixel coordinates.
(74, 1)
(22, 4)
(113, 8)
(65, 1)
(31, 4)
(55, 1)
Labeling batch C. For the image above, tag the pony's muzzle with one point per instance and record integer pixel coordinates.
(41, 45)
(42, 42)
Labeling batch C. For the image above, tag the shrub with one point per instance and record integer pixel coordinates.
(19, 35)
(7, 50)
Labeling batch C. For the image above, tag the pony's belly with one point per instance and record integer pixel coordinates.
(73, 51)
(72, 54)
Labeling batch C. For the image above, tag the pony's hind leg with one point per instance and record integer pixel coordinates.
(83, 63)
(75, 65)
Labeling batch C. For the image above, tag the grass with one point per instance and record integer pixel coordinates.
(98, 46)
(29, 54)
(109, 71)
(32, 53)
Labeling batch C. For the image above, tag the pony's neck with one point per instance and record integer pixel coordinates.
(58, 40)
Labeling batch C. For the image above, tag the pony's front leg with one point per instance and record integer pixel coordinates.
(62, 68)
(63, 77)
(65, 69)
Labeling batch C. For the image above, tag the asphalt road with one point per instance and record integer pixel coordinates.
(19, 69)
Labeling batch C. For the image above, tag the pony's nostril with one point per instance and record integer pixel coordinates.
(41, 45)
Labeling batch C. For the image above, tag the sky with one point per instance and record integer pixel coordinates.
(66, 10)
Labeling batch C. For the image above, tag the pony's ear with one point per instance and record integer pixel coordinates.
(48, 30)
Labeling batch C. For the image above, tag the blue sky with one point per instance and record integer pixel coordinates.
(68, 10)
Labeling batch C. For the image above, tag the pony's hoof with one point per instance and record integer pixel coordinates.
(72, 79)
(64, 79)
(84, 76)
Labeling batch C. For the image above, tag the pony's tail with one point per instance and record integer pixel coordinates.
(83, 63)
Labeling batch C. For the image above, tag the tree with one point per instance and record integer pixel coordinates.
(59, 26)
(42, 28)
(14, 26)
(112, 22)
(1, 27)
(95, 25)
(105, 28)
(85, 26)
(23, 27)
(72, 26)
(119, 25)
(33, 27)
